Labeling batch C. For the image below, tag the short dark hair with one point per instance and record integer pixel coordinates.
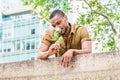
(57, 11)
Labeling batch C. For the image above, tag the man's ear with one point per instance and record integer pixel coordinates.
(66, 17)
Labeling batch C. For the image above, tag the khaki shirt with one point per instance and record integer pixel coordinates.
(76, 37)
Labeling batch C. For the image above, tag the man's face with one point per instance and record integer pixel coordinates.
(59, 21)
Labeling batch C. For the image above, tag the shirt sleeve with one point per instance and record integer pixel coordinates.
(46, 39)
(84, 34)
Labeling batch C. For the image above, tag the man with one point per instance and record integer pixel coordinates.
(76, 40)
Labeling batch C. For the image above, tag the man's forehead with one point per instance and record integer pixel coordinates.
(55, 18)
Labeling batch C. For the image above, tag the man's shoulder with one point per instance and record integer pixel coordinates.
(80, 28)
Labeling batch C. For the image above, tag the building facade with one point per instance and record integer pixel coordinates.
(20, 34)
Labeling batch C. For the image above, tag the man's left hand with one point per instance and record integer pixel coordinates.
(66, 58)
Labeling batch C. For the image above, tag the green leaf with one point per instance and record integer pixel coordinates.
(60, 39)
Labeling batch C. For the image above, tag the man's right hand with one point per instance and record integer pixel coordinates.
(45, 51)
(53, 48)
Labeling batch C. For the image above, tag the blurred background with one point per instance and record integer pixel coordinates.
(23, 22)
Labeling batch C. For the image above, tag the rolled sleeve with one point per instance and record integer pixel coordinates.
(85, 35)
(47, 38)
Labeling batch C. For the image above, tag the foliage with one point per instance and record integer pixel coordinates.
(102, 18)
(44, 7)
(57, 37)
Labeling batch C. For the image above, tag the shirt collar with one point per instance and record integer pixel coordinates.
(72, 32)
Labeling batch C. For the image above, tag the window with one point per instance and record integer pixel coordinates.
(4, 50)
(28, 46)
(33, 45)
(32, 58)
(18, 46)
(23, 45)
(0, 35)
(9, 34)
(9, 50)
(0, 51)
(37, 44)
(32, 31)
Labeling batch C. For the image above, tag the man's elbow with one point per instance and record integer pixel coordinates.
(42, 57)
(39, 57)
(88, 51)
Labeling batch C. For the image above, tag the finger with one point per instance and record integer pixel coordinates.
(54, 46)
(65, 63)
(69, 60)
(58, 44)
(62, 61)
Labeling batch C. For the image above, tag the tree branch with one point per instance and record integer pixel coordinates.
(118, 2)
(105, 16)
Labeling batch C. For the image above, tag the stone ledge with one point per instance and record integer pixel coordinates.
(101, 66)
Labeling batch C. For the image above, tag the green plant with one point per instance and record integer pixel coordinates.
(57, 37)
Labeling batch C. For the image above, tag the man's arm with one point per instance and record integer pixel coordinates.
(86, 48)
(45, 51)
(67, 56)
(86, 44)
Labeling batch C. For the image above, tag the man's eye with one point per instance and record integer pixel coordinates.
(58, 23)
(53, 25)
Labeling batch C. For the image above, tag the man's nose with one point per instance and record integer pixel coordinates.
(57, 27)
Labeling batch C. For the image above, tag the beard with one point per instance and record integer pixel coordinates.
(64, 31)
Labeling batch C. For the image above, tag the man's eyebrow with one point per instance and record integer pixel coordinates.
(53, 25)
(58, 21)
